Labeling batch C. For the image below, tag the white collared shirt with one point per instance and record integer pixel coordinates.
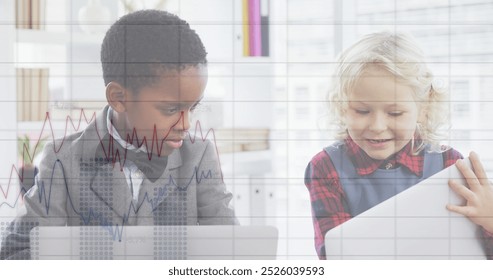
(133, 174)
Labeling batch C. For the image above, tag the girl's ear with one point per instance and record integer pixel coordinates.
(116, 95)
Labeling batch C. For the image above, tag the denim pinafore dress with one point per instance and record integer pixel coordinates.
(364, 192)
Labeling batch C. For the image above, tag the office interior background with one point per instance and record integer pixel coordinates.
(267, 114)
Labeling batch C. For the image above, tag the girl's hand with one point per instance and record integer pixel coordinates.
(478, 193)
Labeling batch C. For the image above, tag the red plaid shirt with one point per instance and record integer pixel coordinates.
(327, 195)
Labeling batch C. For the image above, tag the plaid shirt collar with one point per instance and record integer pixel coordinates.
(366, 165)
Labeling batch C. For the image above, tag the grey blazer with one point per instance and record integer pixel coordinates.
(76, 188)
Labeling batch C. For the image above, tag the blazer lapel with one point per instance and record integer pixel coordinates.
(108, 183)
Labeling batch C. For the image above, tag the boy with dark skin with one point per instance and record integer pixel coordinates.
(136, 163)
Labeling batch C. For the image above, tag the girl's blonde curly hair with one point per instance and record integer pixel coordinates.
(398, 54)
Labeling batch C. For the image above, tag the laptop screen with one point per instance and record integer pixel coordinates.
(154, 242)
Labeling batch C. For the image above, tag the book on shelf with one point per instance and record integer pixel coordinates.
(30, 14)
(255, 22)
(35, 16)
(32, 94)
(264, 27)
(246, 27)
(44, 90)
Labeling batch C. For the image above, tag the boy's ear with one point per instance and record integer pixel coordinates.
(116, 95)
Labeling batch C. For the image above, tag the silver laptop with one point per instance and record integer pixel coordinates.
(411, 225)
(154, 242)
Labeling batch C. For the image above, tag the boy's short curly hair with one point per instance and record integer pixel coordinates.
(141, 45)
(398, 54)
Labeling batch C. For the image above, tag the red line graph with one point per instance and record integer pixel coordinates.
(155, 141)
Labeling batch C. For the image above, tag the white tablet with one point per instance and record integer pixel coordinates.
(411, 225)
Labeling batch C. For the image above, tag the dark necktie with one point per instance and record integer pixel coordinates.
(153, 168)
